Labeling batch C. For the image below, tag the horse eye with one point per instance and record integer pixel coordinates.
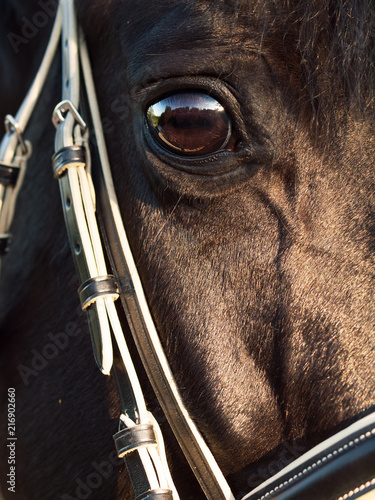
(190, 124)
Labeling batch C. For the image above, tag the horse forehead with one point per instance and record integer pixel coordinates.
(169, 18)
(174, 37)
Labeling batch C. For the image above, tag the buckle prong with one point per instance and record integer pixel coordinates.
(13, 127)
(61, 110)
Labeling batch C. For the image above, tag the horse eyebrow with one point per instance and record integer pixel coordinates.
(185, 47)
(156, 66)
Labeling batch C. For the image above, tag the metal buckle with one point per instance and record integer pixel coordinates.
(13, 127)
(60, 111)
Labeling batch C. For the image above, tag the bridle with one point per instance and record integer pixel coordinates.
(139, 440)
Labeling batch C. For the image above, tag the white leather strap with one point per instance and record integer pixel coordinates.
(75, 188)
(78, 202)
(13, 150)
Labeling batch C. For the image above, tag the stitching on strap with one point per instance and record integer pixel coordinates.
(318, 463)
(359, 489)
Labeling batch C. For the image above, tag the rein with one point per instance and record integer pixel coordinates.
(94, 235)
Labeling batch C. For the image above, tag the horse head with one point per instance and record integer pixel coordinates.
(241, 142)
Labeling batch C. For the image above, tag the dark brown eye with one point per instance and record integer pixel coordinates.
(190, 124)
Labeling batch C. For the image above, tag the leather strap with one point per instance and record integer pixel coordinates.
(71, 155)
(158, 494)
(131, 438)
(174, 410)
(93, 288)
(8, 174)
(342, 464)
(14, 150)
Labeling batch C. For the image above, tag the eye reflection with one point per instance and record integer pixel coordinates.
(190, 124)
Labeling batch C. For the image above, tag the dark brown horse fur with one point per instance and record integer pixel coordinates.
(258, 263)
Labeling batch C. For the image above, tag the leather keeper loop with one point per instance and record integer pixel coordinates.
(8, 174)
(4, 244)
(157, 494)
(93, 288)
(132, 438)
(70, 156)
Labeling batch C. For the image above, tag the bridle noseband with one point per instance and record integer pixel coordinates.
(139, 440)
